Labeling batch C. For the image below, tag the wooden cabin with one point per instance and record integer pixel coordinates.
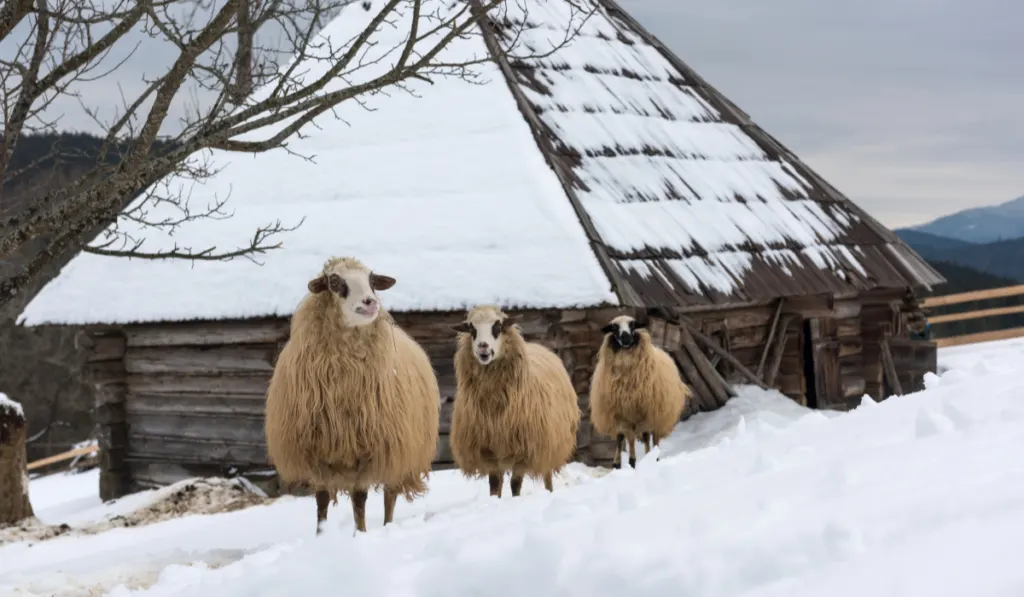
(605, 178)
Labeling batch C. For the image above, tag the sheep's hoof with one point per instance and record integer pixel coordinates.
(616, 465)
(632, 462)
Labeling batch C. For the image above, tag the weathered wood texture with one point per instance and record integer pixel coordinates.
(182, 398)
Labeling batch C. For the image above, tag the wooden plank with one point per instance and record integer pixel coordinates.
(976, 295)
(768, 341)
(890, 368)
(256, 358)
(234, 428)
(720, 390)
(703, 394)
(63, 456)
(976, 314)
(779, 351)
(747, 373)
(254, 383)
(980, 337)
(207, 333)
(196, 404)
(145, 448)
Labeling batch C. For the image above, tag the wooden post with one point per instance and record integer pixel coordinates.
(729, 358)
(104, 369)
(14, 502)
(768, 340)
(890, 368)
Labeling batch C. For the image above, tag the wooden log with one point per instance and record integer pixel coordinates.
(720, 390)
(235, 427)
(181, 450)
(976, 295)
(890, 368)
(258, 358)
(207, 333)
(853, 386)
(747, 373)
(253, 383)
(850, 347)
(101, 347)
(703, 394)
(14, 491)
(848, 328)
(768, 341)
(937, 319)
(196, 404)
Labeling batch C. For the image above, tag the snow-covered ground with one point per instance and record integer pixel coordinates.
(920, 496)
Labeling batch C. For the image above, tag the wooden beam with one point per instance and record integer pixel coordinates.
(976, 295)
(768, 341)
(63, 456)
(720, 389)
(890, 368)
(980, 337)
(728, 357)
(780, 349)
(976, 314)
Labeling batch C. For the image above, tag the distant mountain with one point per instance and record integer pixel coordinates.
(923, 241)
(980, 224)
(1004, 258)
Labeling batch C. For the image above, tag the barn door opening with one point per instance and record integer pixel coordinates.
(810, 377)
(822, 384)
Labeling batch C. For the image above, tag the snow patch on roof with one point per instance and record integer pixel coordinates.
(446, 192)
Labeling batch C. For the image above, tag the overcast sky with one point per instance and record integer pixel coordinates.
(913, 108)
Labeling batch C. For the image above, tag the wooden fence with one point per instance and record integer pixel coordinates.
(975, 296)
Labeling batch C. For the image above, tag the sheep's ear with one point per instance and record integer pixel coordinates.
(317, 285)
(611, 328)
(507, 323)
(378, 282)
(463, 328)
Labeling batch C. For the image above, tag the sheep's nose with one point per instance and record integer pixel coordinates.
(483, 345)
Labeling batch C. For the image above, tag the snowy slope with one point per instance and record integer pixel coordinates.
(444, 190)
(921, 496)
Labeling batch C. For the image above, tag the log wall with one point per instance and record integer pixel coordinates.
(187, 399)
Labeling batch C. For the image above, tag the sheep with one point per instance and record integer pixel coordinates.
(353, 402)
(515, 407)
(635, 389)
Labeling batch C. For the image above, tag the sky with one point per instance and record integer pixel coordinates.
(912, 108)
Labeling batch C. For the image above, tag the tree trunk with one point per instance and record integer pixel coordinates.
(14, 503)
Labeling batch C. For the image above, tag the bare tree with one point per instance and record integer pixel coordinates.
(229, 54)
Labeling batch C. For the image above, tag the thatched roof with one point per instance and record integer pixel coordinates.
(605, 173)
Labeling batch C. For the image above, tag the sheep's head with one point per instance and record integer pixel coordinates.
(622, 332)
(354, 289)
(486, 326)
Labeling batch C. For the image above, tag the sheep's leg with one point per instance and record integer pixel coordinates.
(323, 499)
(647, 441)
(516, 484)
(657, 440)
(632, 449)
(620, 445)
(359, 509)
(496, 480)
(548, 483)
(390, 497)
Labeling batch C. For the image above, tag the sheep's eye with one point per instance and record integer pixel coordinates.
(496, 328)
(337, 285)
(472, 332)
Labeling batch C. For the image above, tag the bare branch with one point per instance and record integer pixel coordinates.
(244, 76)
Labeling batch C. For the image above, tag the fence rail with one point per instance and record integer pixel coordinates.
(973, 296)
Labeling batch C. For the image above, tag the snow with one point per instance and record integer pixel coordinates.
(8, 404)
(446, 192)
(664, 168)
(763, 498)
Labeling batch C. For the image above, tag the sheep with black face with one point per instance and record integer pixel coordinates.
(636, 390)
(353, 402)
(515, 408)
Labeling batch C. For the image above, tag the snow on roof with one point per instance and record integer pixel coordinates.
(10, 405)
(452, 193)
(447, 192)
(688, 197)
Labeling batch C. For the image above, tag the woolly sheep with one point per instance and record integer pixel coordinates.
(635, 390)
(515, 406)
(353, 401)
